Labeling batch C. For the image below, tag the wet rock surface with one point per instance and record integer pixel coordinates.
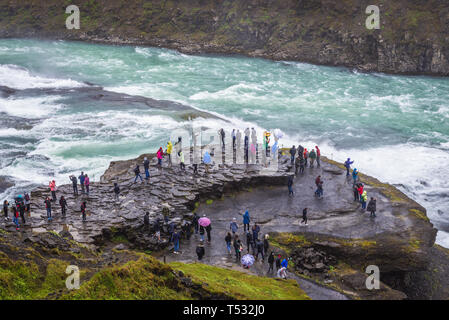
(169, 195)
(399, 239)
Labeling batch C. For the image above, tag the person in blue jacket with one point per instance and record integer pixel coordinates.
(256, 230)
(348, 165)
(355, 175)
(284, 263)
(246, 220)
(234, 226)
(176, 237)
(82, 177)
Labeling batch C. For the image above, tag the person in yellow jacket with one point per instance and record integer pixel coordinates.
(364, 199)
(169, 151)
(181, 157)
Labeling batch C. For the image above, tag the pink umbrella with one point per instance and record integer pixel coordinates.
(204, 222)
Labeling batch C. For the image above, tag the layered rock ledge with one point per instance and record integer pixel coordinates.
(400, 240)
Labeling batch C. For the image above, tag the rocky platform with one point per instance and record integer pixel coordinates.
(169, 188)
(399, 240)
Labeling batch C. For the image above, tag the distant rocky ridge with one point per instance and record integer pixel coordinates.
(413, 38)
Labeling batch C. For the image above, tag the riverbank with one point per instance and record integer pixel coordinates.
(412, 38)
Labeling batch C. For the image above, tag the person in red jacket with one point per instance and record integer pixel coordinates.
(317, 181)
(52, 186)
(306, 156)
(360, 190)
(318, 155)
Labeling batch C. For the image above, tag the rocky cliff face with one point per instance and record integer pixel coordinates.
(413, 38)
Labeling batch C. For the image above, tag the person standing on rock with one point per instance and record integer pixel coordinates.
(360, 191)
(83, 210)
(28, 204)
(238, 139)
(347, 165)
(290, 186)
(168, 151)
(171, 230)
(320, 191)
(271, 262)
(233, 226)
(266, 244)
(246, 220)
(74, 184)
(355, 175)
(200, 251)
(228, 240)
(5, 209)
(292, 154)
(234, 137)
(52, 186)
(202, 232)
(160, 156)
(87, 183)
(195, 222)
(304, 216)
(146, 166)
(306, 156)
(372, 207)
(302, 164)
(208, 230)
(355, 191)
(137, 173)
(157, 230)
(81, 179)
(364, 199)
(318, 156)
(176, 239)
(222, 135)
(255, 230)
(21, 209)
(63, 204)
(312, 157)
(237, 248)
(300, 151)
(15, 217)
(181, 163)
(116, 191)
(246, 142)
(317, 181)
(297, 164)
(259, 248)
(48, 207)
(249, 241)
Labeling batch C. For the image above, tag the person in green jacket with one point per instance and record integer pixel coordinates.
(181, 156)
(364, 199)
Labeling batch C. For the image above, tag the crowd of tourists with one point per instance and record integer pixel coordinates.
(256, 245)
